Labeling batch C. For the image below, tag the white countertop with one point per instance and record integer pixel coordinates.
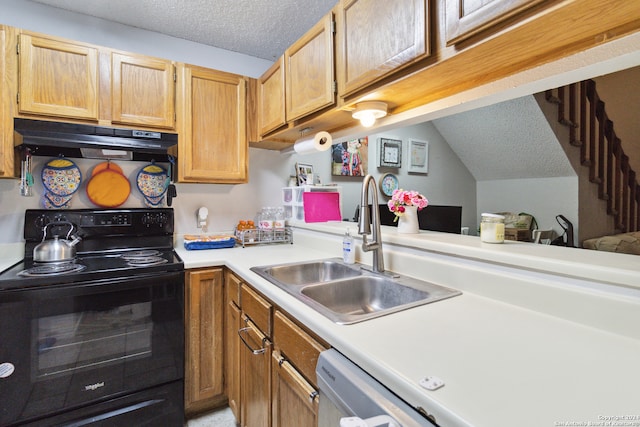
(517, 348)
(10, 253)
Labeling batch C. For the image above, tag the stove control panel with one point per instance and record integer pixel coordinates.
(158, 219)
(106, 219)
(100, 222)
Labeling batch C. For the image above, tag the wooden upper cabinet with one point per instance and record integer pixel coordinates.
(142, 91)
(212, 126)
(271, 98)
(57, 78)
(6, 95)
(310, 75)
(464, 18)
(378, 37)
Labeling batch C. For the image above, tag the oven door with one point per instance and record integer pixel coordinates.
(65, 346)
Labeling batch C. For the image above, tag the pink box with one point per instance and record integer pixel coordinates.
(321, 206)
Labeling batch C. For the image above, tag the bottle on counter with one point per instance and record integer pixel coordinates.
(265, 219)
(348, 248)
(279, 219)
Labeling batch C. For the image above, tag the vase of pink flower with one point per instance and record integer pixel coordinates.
(405, 205)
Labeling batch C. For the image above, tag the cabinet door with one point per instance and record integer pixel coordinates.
(232, 360)
(6, 100)
(271, 111)
(310, 71)
(204, 315)
(294, 400)
(142, 91)
(465, 18)
(377, 37)
(296, 345)
(213, 138)
(255, 389)
(58, 78)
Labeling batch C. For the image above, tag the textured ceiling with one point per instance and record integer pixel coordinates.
(509, 140)
(259, 28)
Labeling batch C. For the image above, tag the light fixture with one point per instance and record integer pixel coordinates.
(368, 111)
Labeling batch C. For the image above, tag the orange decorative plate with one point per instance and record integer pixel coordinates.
(108, 188)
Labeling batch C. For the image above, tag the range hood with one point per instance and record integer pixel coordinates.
(44, 138)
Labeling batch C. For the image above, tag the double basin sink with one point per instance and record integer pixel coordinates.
(349, 293)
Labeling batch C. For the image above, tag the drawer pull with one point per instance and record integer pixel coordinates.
(242, 331)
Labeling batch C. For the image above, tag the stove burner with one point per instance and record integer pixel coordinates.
(141, 254)
(52, 269)
(146, 261)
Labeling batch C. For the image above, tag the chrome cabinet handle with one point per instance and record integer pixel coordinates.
(253, 351)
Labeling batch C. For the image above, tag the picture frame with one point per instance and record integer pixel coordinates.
(304, 174)
(350, 158)
(389, 152)
(418, 156)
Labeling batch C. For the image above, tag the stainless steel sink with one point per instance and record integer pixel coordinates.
(309, 272)
(350, 293)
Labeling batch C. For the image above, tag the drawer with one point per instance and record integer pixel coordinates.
(297, 346)
(256, 308)
(232, 285)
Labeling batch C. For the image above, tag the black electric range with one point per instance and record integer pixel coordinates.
(97, 339)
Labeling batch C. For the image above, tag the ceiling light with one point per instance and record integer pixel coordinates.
(368, 111)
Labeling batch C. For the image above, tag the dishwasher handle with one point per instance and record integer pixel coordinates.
(380, 420)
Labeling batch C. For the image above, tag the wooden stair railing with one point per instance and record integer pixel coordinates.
(581, 109)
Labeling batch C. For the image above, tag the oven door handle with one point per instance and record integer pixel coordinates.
(242, 331)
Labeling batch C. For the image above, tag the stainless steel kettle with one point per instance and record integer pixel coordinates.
(56, 250)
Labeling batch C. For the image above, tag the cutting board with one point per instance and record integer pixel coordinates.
(321, 206)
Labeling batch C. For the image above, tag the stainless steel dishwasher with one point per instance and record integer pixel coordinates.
(349, 397)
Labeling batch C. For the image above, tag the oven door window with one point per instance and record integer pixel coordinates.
(79, 341)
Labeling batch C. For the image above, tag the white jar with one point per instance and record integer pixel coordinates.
(492, 228)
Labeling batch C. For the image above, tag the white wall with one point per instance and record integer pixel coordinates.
(544, 198)
(447, 183)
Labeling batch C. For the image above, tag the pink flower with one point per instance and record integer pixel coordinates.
(402, 198)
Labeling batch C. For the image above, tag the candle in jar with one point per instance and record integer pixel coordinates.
(492, 228)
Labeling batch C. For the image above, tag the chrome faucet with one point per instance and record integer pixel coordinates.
(364, 223)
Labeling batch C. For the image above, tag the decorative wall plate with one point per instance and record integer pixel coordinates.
(61, 177)
(152, 181)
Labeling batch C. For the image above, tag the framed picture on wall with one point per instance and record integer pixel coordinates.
(304, 174)
(418, 156)
(389, 152)
(351, 158)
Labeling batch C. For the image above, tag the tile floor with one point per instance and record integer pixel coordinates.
(222, 417)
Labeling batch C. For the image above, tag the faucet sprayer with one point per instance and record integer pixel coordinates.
(364, 224)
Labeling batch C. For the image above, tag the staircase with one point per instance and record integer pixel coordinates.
(590, 129)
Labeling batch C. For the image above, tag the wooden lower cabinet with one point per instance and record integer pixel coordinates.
(270, 362)
(232, 360)
(255, 378)
(294, 400)
(204, 351)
